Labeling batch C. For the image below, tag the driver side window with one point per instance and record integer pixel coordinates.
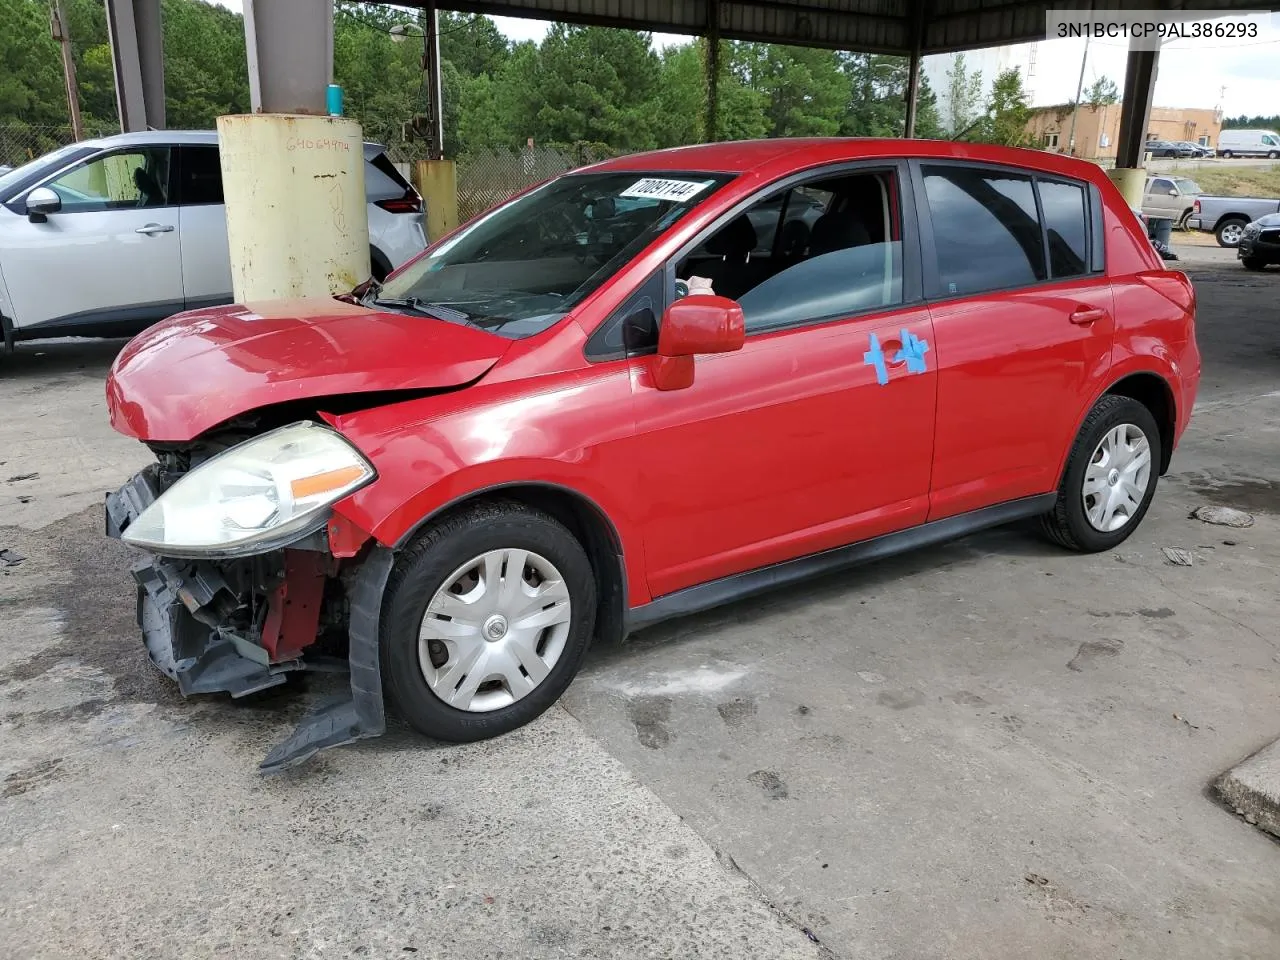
(829, 248)
(124, 180)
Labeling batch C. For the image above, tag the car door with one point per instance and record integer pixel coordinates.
(1022, 323)
(206, 257)
(108, 259)
(1162, 199)
(819, 431)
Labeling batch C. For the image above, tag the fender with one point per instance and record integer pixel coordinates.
(1161, 365)
(574, 436)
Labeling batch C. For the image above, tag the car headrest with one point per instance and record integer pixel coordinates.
(736, 239)
(146, 184)
(837, 231)
(794, 239)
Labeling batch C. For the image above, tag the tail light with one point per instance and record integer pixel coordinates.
(409, 203)
(1196, 206)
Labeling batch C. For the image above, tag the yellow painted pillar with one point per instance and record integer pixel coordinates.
(1132, 182)
(437, 181)
(297, 218)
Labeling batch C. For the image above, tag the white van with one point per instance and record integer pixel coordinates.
(1249, 143)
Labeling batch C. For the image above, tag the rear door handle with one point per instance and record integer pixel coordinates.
(153, 228)
(1083, 316)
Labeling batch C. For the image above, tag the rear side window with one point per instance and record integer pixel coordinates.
(199, 176)
(985, 227)
(382, 180)
(1066, 221)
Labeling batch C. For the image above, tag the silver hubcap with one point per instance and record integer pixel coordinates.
(1231, 234)
(494, 630)
(1117, 477)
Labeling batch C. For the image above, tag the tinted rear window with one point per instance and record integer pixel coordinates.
(1067, 220)
(382, 180)
(985, 228)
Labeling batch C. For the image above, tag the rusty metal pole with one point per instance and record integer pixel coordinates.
(58, 23)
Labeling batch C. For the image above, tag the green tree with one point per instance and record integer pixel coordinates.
(806, 94)
(1102, 93)
(964, 96)
(1005, 121)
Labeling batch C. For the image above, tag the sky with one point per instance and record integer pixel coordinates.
(1241, 77)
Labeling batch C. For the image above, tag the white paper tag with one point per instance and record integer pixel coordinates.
(652, 188)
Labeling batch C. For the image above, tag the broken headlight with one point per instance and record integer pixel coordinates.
(256, 496)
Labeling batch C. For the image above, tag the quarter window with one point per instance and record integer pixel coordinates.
(985, 228)
(117, 181)
(199, 176)
(1066, 222)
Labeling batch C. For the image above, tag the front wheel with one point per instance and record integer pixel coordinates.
(1271, 154)
(1110, 477)
(487, 617)
(1230, 232)
(1226, 154)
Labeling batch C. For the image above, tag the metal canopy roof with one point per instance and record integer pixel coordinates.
(873, 26)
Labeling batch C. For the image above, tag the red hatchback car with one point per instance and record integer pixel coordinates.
(644, 388)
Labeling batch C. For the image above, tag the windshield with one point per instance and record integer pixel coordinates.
(17, 179)
(1186, 186)
(521, 268)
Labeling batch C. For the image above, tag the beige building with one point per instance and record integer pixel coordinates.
(1098, 128)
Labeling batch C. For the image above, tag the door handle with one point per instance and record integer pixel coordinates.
(1083, 316)
(150, 229)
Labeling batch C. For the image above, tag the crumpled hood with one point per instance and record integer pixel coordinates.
(1269, 220)
(195, 370)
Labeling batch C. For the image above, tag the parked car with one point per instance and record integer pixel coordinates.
(138, 221)
(1170, 198)
(1198, 150)
(520, 443)
(1260, 242)
(1226, 217)
(1249, 143)
(1169, 148)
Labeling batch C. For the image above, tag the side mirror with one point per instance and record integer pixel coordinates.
(1173, 193)
(696, 324)
(40, 203)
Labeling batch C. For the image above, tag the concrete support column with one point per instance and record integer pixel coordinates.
(713, 71)
(293, 177)
(913, 70)
(1139, 88)
(137, 57)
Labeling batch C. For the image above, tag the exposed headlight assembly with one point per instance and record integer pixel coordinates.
(1252, 229)
(257, 496)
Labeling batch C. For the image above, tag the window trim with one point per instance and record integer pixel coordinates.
(932, 280)
(594, 350)
(907, 209)
(171, 176)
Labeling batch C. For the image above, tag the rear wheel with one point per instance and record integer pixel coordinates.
(1253, 263)
(1230, 231)
(487, 617)
(1110, 477)
(1226, 154)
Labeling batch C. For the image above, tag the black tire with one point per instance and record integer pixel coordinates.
(420, 570)
(1271, 154)
(1253, 263)
(1181, 223)
(1223, 224)
(1067, 524)
(1226, 154)
(379, 265)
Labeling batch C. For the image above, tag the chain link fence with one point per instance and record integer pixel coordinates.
(488, 177)
(21, 142)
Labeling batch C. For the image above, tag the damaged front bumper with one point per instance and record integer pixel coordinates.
(240, 626)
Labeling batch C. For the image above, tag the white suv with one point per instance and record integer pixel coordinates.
(132, 229)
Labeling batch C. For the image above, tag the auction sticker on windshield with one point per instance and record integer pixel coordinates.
(652, 188)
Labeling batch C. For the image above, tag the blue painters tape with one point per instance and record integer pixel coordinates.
(875, 358)
(913, 350)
